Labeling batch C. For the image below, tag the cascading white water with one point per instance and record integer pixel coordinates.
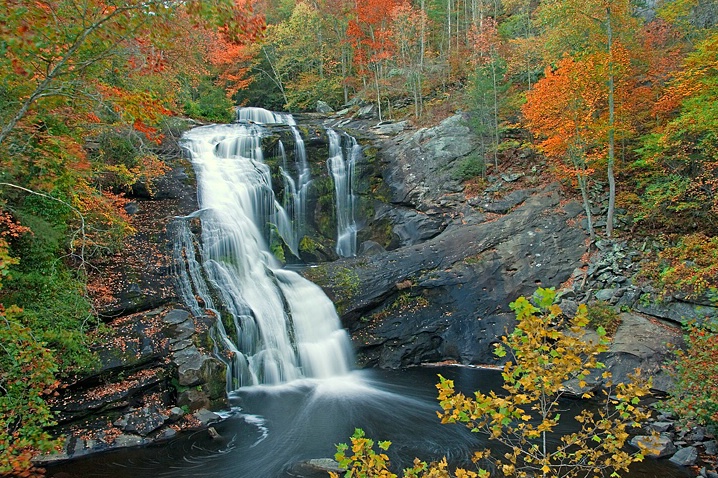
(286, 327)
(262, 116)
(296, 201)
(295, 187)
(343, 153)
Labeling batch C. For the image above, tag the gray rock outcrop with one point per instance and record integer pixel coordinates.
(447, 298)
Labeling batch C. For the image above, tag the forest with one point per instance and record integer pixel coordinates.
(619, 97)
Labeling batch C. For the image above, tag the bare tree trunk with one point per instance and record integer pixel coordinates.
(611, 131)
(378, 92)
(496, 112)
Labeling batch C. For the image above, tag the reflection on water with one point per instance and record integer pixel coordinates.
(274, 428)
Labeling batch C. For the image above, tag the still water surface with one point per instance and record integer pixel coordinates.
(274, 428)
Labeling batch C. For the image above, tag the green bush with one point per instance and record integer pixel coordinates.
(210, 104)
(602, 314)
(471, 167)
(694, 397)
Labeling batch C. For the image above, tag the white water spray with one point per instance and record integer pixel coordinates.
(286, 328)
(343, 154)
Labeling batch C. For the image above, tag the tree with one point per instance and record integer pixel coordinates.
(682, 149)
(408, 24)
(370, 36)
(86, 87)
(27, 371)
(489, 69)
(545, 351)
(593, 27)
(302, 60)
(693, 397)
(561, 109)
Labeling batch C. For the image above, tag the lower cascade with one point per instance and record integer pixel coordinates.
(285, 327)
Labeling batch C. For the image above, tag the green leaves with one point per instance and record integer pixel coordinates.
(695, 395)
(547, 351)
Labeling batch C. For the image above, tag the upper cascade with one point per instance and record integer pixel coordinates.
(252, 114)
(343, 154)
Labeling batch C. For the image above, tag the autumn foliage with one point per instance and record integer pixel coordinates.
(694, 397)
(545, 352)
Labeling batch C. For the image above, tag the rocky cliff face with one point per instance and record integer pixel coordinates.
(156, 373)
(443, 294)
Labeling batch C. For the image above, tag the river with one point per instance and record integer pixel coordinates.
(273, 428)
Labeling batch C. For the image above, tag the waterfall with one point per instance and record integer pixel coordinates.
(262, 116)
(343, 153)
(286, 328)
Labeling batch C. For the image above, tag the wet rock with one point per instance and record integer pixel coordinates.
(511, 177)
(323, 107)
(367, 112)
(509, 202)
(141, 422)
(685, 456)
(413, 227)
(421, 165)
(655, 447)
(390, 128)
(166, 434)
(175, 414)
(661, 427)
(461, 283)
(191, 363)
(132, 208)
(193, 399)
(605, 294)
(711, 447)
(369, 248)
(206, 417)
(214, 434)
(645, 344)
(317, 467)
(679, 312)
(695, 434)
(126, 441)
(569, 307)
(177, 316)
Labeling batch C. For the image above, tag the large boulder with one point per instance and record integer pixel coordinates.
(422, 163)
(642, 343)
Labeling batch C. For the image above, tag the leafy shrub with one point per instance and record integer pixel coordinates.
(470, 167)
(690, 266)
(27, 371)
(695, 394)
(210, 104)
(602, 314)
(365, 462)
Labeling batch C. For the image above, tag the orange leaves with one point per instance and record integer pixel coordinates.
(9, 227)
(370, 33)
(485, 40)
(136, 108)
(150, 133)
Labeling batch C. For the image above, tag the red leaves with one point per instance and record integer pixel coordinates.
(370, 33)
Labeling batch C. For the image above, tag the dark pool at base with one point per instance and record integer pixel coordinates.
(275, 428)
